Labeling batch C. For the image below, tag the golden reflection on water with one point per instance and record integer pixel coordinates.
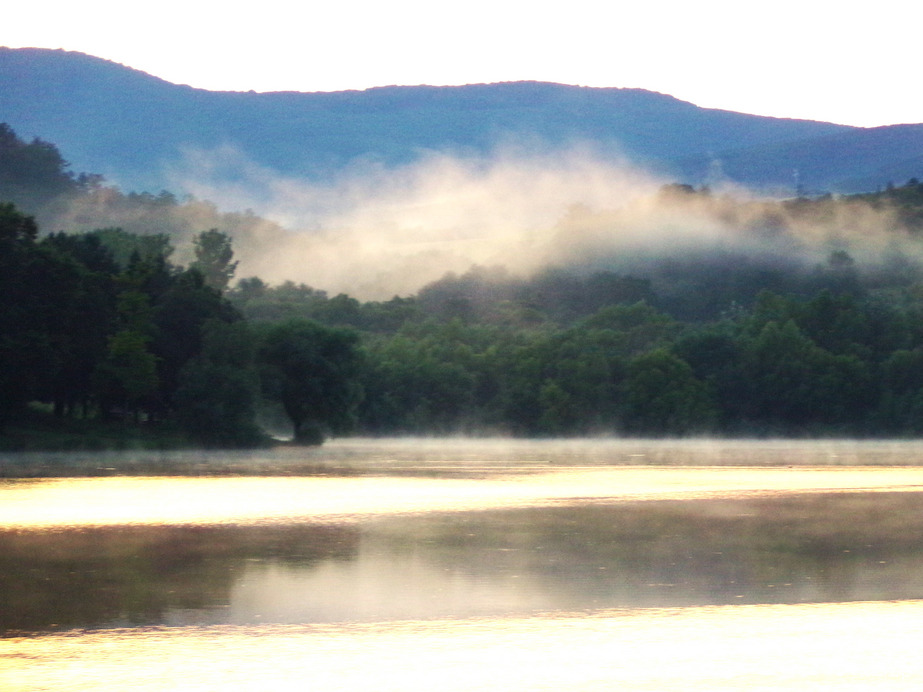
(419, 519)
(35, 504)
(855, 646)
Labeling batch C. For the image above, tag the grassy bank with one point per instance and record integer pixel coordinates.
(39, 445)
(39, 431)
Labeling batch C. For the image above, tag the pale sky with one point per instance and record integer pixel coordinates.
(850, 63)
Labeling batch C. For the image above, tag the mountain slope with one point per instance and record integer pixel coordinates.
(859, 160)
(131, 126)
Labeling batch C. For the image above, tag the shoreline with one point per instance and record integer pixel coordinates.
(461, 457)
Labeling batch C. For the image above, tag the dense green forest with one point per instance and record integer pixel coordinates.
(105, 326)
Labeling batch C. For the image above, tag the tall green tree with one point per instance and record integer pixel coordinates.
(179, 317)
(88, 318)
(213, 258)
(127, 378)
(312, 371)
(219, 388)
(18, 334)
(32, 174)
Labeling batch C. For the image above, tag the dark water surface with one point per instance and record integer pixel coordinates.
(533, 558)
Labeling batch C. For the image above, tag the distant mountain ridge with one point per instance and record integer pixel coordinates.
(130, 126)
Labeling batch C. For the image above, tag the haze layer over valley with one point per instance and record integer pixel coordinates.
(380, 192)
(527, 286)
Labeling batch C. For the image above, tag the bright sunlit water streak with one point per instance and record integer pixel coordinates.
(463, 565)
(116, 501)
(855, 646)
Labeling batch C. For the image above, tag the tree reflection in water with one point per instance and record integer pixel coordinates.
(813, 547)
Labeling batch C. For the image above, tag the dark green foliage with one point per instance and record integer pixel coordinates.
(412, 387)
(902, 401)
(493, 296)
(259, 302)
(127, 248)
(219, 388)
(663, 397)
(104, 325)
(788, 366)
(563, 383)
(96, 338)
(791, 381)
(178, 319)
(23, 341)
(55, 313)
(89, 313)
(16, 228)
(32, 174)
(429, 378)
(311, 370)
(213, 255)
(126, 379)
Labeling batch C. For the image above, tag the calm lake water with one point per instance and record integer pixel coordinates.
(468, 565)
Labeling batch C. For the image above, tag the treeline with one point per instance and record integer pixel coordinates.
(36, 178)
(848, 363)
(149, 342)
(106, 325)
(103, 325)
(722, 343)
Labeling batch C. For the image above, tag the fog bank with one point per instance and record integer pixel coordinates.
(374, 232)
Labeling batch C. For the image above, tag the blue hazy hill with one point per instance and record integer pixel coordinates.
(130, 126)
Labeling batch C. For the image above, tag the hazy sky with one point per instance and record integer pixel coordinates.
(851, 63)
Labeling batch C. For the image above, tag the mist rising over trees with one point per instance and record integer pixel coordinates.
(743, 339)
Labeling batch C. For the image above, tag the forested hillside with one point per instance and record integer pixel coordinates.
(784, 335)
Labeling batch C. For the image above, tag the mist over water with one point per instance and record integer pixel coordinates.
(472, 564)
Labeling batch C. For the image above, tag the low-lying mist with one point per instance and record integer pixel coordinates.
(374, 232)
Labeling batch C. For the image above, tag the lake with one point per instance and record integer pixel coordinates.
(466, 565)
